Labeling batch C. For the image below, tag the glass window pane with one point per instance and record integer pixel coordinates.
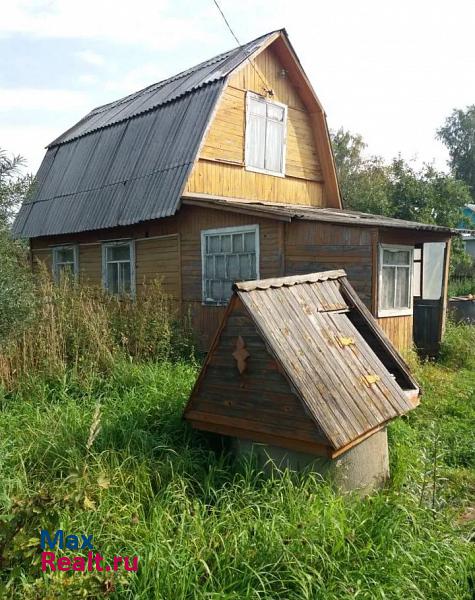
(113, 278)
(220, 272)
(216, 290)
(65, 255)
(275, 112)
(387, 287)
(121, 252)
(124, 269)
(396, 257)
(225, 243)
(227, 290)
(257, 106)
(233, 267)
(209, 267)
(417, 279)
(402, 288)
(256, 141)
(244, 267)
(274, 145)
(214, 243)
(253, 274)
(250, 242)
(237, 242)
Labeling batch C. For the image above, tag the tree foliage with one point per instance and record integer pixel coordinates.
(14, 186)
(397, 189)
(16, 286)
(458, 134)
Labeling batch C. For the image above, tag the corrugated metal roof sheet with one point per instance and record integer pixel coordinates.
(313, 213)
(128, 161)
(345, 387)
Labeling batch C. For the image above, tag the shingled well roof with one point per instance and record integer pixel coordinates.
(128, 161)
(336, 360)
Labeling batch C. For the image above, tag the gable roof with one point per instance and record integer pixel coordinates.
(335, 357)
(128, 161)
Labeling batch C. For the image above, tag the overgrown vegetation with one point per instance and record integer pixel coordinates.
(109, 455)
(83, 330)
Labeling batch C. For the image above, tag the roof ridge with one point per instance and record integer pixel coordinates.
(278, 282)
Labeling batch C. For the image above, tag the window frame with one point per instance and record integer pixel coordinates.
(225, 231)
(105, 262)
(250, 96)
(396, 312)
(56, 263)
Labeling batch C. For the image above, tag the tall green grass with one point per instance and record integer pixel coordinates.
(138, 479)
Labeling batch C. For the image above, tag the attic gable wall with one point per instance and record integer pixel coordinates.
(258, 401)
(220, 170)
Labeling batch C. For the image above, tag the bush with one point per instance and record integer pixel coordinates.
(457, 350)
(16, 287)
(85, 330)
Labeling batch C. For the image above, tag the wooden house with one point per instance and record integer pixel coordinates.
(224, 173)
(299, 363)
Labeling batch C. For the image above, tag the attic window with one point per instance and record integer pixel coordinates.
(395, 280)
(265, 135)
(228, 255)
(65, 261)
(118, 267)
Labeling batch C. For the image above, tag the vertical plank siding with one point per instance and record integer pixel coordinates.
(220, 168)
(398, 330)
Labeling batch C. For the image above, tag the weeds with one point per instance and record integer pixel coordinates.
(84, 330)
(205, 527)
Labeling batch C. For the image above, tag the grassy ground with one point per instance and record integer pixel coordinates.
(142, 483)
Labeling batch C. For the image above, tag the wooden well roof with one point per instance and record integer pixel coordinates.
(332, 353)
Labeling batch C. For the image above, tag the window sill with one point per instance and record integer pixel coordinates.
(396, 312)
(264, 171)
(215, 304)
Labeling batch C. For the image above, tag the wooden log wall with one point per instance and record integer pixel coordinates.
(220, 169)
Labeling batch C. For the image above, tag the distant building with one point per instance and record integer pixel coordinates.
(469, 237)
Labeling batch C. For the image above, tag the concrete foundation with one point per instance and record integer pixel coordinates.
(363, 468)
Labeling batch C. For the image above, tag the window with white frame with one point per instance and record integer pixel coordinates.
(395, 280)
(228, 255)
(266, 123)
(118, 267)
(65, 261)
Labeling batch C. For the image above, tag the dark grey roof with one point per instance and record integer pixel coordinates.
(312, 213)
(128, 161)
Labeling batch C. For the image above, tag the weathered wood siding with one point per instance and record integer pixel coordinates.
(311, 247)
(174, 258)
(255, 403)
(398, 330)
(159, 259)
(220, 169)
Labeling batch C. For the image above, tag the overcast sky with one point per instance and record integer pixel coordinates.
(390, 70)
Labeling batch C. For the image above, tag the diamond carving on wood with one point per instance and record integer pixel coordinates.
(240, 355)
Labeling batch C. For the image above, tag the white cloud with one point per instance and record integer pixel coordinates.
(29, 141)
(87, 79)
(135, 79)
(41, 99)
(91, 58)
(143, 22)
